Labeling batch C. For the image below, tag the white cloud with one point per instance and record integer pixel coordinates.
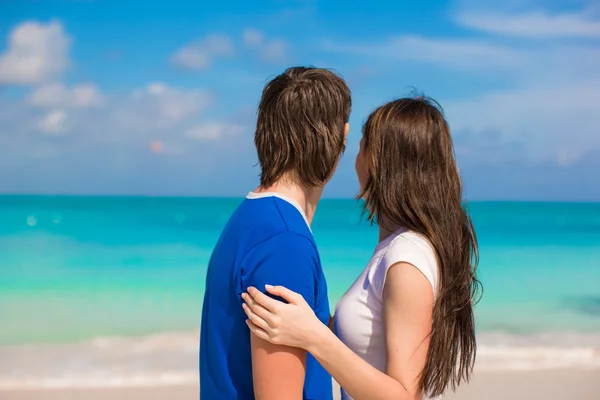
(127, 135)
(456, 53)
(154, 88)
(199, 55)
(252, 37)
(168, 104)
(214, 131)
(268, 50)
(274, 51)
(36, 52)
(548, 107)
(220, 45)
(557, 122)
(58, 95)
(149, 112)
(154, 110)
(54, 122)
(191, 57)
(532, 24)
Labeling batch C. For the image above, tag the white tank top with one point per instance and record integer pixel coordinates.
(359, 313)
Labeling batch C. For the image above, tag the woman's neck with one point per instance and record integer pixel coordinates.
(385, 228)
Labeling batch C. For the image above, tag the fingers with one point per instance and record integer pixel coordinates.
(257, 308)
(256, 312)
(288, 295)
(260, 333)
(264, 300)
(255, 319)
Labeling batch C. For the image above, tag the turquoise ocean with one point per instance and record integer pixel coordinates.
(108, 290)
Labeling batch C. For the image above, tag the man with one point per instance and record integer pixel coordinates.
(300, 135)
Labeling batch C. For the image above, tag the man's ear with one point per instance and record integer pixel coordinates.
(346, 131)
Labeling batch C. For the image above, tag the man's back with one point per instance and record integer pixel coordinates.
(266, 241)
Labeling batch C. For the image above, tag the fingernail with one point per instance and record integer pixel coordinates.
(268, 286)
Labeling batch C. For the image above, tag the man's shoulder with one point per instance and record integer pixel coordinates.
(268, 220)
(287, 259)
(287, 243)
(293, 219)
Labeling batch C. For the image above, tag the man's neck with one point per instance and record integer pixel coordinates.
(307, 198)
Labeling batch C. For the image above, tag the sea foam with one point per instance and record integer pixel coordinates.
(172, 359)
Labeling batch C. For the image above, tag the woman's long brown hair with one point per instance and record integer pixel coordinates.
(414, 183)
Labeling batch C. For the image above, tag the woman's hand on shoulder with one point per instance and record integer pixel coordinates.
(291, 324)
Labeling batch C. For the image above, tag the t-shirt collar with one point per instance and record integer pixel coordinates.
(262, 195)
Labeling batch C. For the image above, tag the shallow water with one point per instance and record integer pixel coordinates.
(84, 269)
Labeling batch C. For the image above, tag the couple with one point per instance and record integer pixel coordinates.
(405, 328)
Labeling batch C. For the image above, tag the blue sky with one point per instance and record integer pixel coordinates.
(159, 98)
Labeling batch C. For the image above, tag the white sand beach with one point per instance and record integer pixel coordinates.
(515, 385)
(164, 366)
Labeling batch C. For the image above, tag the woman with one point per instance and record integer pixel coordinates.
(405, 328)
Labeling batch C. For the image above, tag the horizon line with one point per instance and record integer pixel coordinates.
(241, 196)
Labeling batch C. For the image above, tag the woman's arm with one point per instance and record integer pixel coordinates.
(355, 375)
(408, 307)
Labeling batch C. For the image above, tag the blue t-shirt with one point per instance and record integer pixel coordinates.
(266, 241)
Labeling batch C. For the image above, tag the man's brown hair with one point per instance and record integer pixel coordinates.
(300, 127)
